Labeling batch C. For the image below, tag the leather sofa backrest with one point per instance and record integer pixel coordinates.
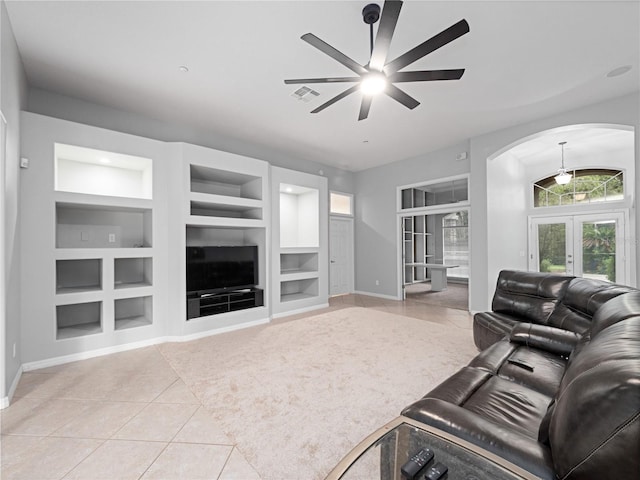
(594, 430)
(531, 296)
(582, 298)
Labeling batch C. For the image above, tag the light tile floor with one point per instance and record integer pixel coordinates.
(129, 416)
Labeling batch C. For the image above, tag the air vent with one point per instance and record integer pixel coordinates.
(305, 94)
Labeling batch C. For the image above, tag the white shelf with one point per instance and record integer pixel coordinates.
(78, 331)
(290, 276)
(86, 296)
(292, 297)
(125, 286)
(88, 253)
(103, 201)
(132, 292)
(72, 290)
(216, 199)
(294, 250)
(132, 322)
(200, 221)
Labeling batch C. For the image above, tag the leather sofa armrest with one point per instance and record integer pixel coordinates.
(551, 339)
(505, 442)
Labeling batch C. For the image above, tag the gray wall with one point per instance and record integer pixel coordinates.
(75, 110)
(376, 231)
(492, 248)
(12, 100)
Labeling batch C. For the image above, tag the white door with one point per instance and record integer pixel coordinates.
(341, 256)
(590, 246)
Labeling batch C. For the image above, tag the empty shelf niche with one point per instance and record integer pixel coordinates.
(206, 209)
(78, 319)
(299, 216)
(133, 312)
(97, 172)
(298, 289)
(82, 275)
(133, 272)
(225, 183)
(88, 226)
(298, 262)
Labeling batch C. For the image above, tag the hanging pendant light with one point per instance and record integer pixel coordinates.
(563, 176)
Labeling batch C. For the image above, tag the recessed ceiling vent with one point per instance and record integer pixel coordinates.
(305, 94)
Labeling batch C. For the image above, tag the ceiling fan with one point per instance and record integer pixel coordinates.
(378, 75)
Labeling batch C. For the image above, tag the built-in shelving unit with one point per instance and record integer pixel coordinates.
(227, 205)
(111, 222)
(300, 212)
(417, 247)
(419, 205)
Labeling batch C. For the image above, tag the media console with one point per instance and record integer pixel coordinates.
(212, 304)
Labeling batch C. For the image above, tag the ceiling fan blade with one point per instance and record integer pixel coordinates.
(322, 80)
(337, 55)
(340, 96)
(388, 20)
(399, 96)
(365, 106)
(428, 46)
(427, 75)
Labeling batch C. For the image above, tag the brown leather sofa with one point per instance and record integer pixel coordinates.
(556, 391)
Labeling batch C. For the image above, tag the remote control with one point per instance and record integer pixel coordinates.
(436, 471)
(416, 463)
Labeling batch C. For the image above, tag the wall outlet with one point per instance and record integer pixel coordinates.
(14, 350)
(377, 282)
(112, 238)
(84, 236)
(24, 162)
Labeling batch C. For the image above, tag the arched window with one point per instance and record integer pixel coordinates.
(587, 186)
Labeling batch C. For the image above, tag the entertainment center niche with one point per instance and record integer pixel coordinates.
(226, 240)
(110, 223)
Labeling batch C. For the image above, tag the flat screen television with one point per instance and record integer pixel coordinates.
(221, 268)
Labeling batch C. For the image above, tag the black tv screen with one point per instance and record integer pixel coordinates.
(216, 269)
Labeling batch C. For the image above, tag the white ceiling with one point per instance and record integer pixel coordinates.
(524, 60)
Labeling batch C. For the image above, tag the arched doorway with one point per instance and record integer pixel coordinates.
(515, 215)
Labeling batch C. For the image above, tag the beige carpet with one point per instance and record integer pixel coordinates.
(297, 396)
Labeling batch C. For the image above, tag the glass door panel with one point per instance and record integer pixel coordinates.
(552, 245)
(589, 246)
(600, 252)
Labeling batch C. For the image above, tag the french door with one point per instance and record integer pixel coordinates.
(590, 245)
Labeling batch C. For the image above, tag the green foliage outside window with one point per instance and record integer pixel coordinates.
(586, 186)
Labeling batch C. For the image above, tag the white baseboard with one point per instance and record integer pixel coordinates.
(379, 295)
(6, 401)
(300, 310)
(52, 362)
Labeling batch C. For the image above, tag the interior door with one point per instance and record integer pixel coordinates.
(590, 246)
(340, 255)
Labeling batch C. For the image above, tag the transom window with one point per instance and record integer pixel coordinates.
(587, 186)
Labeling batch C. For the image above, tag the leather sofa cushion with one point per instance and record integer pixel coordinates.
(512, 445)
(595, 426)
(491, 327)
(536, 369)
(582, 298)
(529, 295)
(550, 339)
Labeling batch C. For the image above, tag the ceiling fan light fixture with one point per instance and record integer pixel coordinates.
(563, 176)
(373, 83)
